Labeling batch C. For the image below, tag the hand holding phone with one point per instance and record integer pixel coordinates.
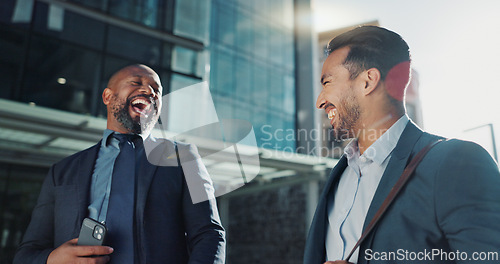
(92, 233)
(70, 252)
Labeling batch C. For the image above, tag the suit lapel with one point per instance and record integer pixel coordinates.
(315, 249)
(395, 167)
(85, 170)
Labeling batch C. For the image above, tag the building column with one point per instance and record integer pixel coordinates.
(305, 79)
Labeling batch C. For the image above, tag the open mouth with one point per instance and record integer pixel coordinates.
(141, 106)
(332, 113)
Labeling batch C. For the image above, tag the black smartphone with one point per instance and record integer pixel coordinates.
(92, 233)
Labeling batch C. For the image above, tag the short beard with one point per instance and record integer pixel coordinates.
(122, 115)
(348, 113)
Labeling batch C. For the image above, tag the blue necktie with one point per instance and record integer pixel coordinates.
(120, 216)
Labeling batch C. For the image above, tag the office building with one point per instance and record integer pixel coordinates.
(257, 56)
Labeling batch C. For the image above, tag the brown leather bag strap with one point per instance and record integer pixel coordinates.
(394, 191)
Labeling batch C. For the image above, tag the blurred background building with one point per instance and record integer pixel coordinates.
(259, 57)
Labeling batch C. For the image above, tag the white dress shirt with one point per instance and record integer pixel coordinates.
(347, 209)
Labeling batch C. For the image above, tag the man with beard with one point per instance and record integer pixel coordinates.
(147, 209)
(450, 207)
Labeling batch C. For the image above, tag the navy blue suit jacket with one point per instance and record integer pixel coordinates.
(168, 227)
(452, 202)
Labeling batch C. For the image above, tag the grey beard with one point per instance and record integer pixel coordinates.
(122, 115)
(120, 111)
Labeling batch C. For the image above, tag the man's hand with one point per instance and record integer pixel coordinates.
(70, 252)
(337, 262)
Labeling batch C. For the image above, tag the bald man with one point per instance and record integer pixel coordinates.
(147, 209)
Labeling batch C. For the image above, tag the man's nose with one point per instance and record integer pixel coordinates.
(148, 89)
(320, 102)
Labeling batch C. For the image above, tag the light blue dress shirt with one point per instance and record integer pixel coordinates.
(347, 209)
(100, 186)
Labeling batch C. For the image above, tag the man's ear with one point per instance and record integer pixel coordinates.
(106, 96)
(372, 79)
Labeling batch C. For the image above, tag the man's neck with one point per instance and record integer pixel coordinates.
(371, 132)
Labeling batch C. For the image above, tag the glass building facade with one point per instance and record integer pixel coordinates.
(252, 65)
(60, 54)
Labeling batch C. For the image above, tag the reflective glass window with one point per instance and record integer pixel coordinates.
(97, 4)
(224, 107)
(140, 11)
(179, 81)
(263, 130)
(244, 80)
(276, 45)
(289, 125)
(68, 26)
(16, 12)
(276, 90)
(13, 45)
(61, 76)
(134, 46)
(288, 57)
(224, 25)
(289, 94)
(192, 19)
(261, 39)
(224, 72)
(186, 61)
(244, 32)
(260, 85)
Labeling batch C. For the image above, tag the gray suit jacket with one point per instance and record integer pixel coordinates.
(452, 202)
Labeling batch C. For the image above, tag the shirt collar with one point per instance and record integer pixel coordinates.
(106, 137)
(108, 132)
(380, 150)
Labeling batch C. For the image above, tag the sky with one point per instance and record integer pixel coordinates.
(455, 48)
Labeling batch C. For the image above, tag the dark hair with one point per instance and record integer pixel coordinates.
(371, 47)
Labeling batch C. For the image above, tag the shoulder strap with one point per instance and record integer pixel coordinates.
(408, 171)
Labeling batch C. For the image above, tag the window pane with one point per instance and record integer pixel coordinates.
(75, 28)
(261, 85)
(134, 46)
(277, 43)
(143, 12)
(61, 76)
(244, 79)
(97, 4)
(244, 32)
(276, 90)
(289, 94)
(224, 25)
(261, 39)
(224, 107)
(224, 72)
(185, 60)
(180, 81)
(191, 19)
(12, 43)
(16, 12)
